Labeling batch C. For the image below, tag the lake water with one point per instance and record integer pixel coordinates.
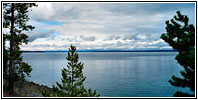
(112, 74)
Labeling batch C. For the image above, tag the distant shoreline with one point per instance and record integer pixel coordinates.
(103, 51)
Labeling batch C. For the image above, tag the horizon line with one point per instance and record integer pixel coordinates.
(101, 50)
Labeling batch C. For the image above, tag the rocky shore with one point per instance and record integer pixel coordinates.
(25, 89)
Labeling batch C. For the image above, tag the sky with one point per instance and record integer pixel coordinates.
(125, 26)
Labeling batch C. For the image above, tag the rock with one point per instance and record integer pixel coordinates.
(29, 89)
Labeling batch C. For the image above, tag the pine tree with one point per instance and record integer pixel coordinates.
(72, 79)
(15, 18)
(181, 36)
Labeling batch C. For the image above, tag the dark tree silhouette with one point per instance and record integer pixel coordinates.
(5, 59)
(72, 79)
(15, 18)
(181, 36)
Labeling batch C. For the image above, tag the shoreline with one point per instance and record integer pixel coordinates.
(25, 89)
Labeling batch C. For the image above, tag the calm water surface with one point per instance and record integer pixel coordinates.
(112, 74)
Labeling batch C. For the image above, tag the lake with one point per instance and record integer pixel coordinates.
(112, 74)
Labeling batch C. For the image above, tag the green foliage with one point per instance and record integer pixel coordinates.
(72, 79)
(15, 18)
(181, 36)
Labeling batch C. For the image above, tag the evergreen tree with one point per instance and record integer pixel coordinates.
(181, 36)
(15, 18)
(72, 79)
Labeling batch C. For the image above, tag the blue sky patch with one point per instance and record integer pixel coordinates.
(53, 22)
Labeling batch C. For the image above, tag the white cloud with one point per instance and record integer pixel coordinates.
(166, 47)
(100, 26)
(44, 11)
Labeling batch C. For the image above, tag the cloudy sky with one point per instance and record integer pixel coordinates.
(102, 25)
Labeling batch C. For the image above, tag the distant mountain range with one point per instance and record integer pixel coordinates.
(100, 50)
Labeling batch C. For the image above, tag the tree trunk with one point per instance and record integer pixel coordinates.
(11, 63)
(72, 78)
